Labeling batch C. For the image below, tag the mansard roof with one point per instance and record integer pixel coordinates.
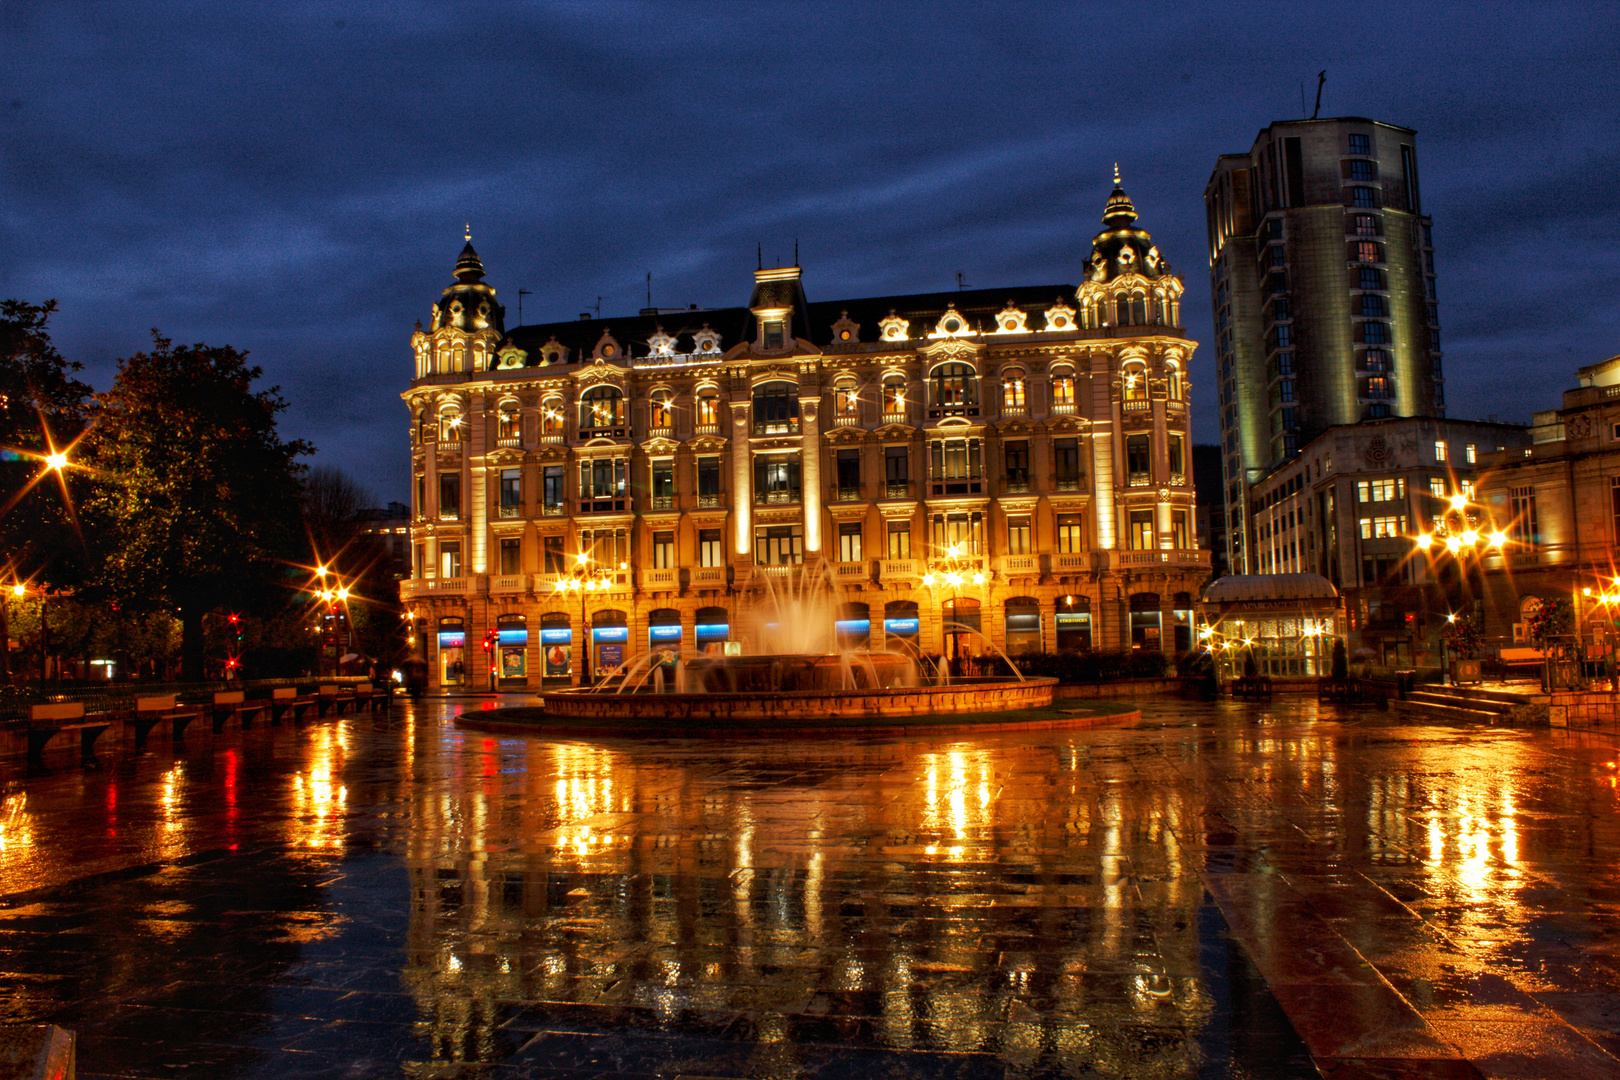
(978, 308)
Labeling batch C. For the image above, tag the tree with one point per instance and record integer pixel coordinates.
(42, 410)
(197, 503)
(332, 506)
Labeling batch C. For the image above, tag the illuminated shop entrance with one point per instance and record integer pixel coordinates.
(556, 645)
(512, 647)
(963, 612)
(1072, 624)
(1147, 623)
(1023, 625)
(712, 630)
(610, 635)
(854, 626)
(452, 649)
(902, 626)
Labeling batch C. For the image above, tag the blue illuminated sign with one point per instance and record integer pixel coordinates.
(900, 626)
(713, 631)
(611, 633)
(664, 633)
(514, 637)
(452, 639)
(557, 635)
(856, 627)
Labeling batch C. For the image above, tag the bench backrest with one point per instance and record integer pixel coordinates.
(229, 697)
(69, 710)
(1520, 655)
(158, 703)
(362, 687)
(283, 693)
(329, 690)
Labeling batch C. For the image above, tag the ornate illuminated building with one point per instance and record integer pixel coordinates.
(1012, 460)
(1323, 287)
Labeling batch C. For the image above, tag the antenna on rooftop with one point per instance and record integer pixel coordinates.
(521, 294)
(795, 251)
(598, 307)
(649, 288)
(961, 281)
(1321, 78)
(759, 254)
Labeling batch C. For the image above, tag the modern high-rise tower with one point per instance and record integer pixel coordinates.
(1322, 280)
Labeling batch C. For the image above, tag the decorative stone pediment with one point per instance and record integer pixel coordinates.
(845, 436)
(951, 349)
(600, 371)
(661, 446)
(768, 516)
(553, 352)
(771, 372)
(707, 444)
(607, 348)
(896, 511)
(511, 357)
(706, 341)
(504, 456)
(894, 328)
(552, 453)
(845, 331)
(661, 344)
(952, 324)
(1010, 320)
(1060, 317)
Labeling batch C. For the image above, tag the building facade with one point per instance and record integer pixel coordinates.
(1013, 463)
(1349, 506)
(1558, 500)
(1323, 287)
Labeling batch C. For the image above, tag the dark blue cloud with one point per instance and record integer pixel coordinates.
(293, 178)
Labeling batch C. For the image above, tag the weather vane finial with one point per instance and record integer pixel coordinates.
(1116, 172)
(469, 224)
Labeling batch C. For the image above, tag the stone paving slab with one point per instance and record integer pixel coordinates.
(1215, 891)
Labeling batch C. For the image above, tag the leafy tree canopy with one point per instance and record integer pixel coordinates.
(197, 488)
(42, 409)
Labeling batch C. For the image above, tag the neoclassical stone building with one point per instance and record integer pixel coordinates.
(1015, 462)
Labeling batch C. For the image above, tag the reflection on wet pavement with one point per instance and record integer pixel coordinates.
(1218, 891)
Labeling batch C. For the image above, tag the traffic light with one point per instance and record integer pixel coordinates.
(489, 641)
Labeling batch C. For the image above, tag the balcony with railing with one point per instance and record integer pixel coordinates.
(508, 583)
(553, 509)
(1137, 405)
(847, 420)
(850, 571)
(1067, 562)
(1140, 479)
(1162, 557)
(447, 446)
(1063, 408)
(707, 429)
(1068, 483)
(509, 440)
(901, 569)
(897, 416)
(897, 489)
(709, 576)
(1020, 564)
(662, 502)
(711, 500)
(846, 494)
(1015, 410)
(780, 497)
(1015, 485)
(447, 585)
(789, 426)
(508, 510)
(551, 438)
(658, 579)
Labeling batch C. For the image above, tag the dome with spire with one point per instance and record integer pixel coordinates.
(1123, 248)
(469, 304)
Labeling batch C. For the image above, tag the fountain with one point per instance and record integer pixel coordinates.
(795, 672)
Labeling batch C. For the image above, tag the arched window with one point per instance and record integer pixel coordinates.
(1063, 389)
(955, 390)
(662, 412)
(507, 423)
(1122, 310)
(458, 357)
(1173, 371)
(551, 416)
(1139, 309)
(776, 408)
(1133, 382)
(708, 409)
(846, 401)
(1012, 389)
(450, 424)
(601, 408)
(478, 356)
(894, 396)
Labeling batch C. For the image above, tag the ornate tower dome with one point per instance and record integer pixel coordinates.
(1127, 281)
(467, 324)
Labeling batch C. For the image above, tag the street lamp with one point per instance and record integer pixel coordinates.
(332, 596)
(586, 582)
(954, 570)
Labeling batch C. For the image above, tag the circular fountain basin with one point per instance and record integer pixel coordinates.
(806, 707)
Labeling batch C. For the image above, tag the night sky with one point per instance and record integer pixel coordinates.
(293, 178)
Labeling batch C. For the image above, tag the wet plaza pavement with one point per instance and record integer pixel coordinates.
(1214, 891)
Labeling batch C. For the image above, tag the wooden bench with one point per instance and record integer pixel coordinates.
(329, 699)
(371, 697)
(284, 701)
(158, 709)
(45, 722)
(1343, 691)
(228, 703)
(1251, 687)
